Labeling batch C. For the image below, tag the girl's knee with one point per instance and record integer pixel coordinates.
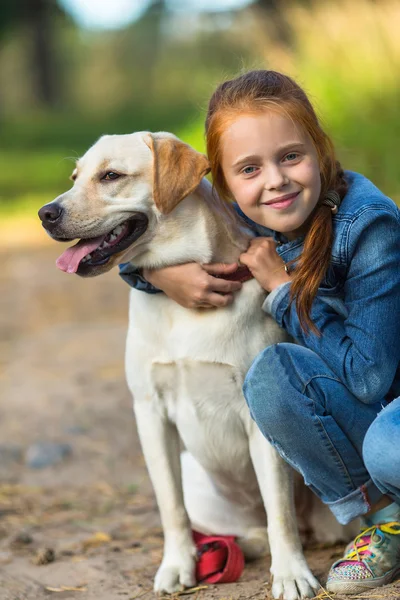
(281, 367)
(268, 387)
(381, 450)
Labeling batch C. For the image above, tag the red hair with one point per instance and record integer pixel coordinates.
(255, 92)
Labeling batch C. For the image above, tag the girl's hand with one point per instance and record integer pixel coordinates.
(193, 286)
(265, 264)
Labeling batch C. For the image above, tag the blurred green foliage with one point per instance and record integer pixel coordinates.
(159, 73)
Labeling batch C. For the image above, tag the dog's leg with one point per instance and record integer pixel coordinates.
(160, 444)
(292, 579)
(255, 543)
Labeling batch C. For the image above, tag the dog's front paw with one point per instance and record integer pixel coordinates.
(175, 575)
(294, 581)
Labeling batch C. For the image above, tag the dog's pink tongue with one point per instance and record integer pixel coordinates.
(70, 259)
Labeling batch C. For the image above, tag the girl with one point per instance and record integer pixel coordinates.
(328, 253)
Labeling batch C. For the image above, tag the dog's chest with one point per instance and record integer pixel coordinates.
(191, 365)
(205, 401)
(161, 330)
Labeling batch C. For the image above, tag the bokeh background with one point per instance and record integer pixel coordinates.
(71, 70)
(77, 511)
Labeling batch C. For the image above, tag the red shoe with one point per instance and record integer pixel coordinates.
(220, 559)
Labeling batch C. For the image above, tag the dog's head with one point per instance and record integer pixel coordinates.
(123, 186)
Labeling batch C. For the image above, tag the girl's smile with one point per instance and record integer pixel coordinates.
(272, 170)
(283, 201)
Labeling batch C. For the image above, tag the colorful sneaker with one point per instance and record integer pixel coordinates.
(372, 560)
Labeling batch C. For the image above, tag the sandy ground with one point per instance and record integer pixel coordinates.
(87, 528)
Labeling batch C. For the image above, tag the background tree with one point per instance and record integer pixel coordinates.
(36, 18)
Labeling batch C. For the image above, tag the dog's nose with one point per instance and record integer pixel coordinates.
(50, 213)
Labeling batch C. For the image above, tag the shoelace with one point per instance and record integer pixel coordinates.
(361, 544)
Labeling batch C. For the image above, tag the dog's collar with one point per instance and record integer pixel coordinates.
(241, 274)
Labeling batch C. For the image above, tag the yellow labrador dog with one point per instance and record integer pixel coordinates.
(143, 198)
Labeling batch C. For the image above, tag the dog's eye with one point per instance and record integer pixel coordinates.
(110, 175)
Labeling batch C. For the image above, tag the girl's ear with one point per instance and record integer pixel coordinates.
(177, 170)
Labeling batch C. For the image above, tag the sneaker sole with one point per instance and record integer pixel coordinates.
(355, 586)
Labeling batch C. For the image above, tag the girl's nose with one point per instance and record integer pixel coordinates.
(275, 178)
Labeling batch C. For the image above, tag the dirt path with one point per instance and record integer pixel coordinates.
(93, 515)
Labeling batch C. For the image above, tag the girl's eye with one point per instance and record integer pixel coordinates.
(110, 176)
(291, 156)
(249, 170)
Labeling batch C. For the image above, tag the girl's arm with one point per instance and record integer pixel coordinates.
(194, 286)
(360, 337)
(191, 285)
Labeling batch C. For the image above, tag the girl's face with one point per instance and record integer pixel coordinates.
(271, 168)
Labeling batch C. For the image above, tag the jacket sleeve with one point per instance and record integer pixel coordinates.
(133, 277)
(360, 335)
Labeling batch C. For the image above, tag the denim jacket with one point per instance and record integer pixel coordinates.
(357, 307)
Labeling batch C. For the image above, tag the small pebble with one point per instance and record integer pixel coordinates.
(22, 538)
(45, 454)
(44, 556)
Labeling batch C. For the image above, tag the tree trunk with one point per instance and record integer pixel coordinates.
(39, 18)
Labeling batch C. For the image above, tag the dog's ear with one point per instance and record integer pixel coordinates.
(177, 170)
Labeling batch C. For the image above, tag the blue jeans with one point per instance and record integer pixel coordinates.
(318, 426)
(381, 450)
